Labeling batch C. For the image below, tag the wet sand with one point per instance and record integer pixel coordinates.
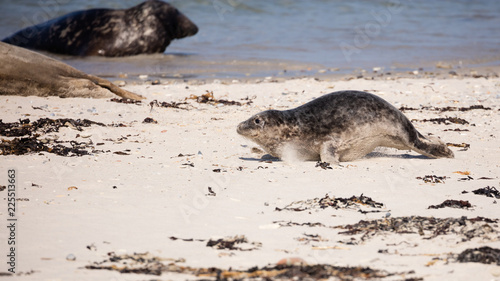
(169, 185)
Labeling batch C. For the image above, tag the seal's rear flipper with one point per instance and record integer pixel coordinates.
(329, 153)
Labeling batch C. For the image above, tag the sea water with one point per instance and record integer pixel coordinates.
(253, 38)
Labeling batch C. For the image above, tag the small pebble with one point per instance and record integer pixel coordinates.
(120, 83)
(70, 257)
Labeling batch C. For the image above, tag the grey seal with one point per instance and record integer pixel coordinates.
(340, 126)
(143, 29)
(27, 73)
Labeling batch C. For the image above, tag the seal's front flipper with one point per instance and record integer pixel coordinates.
(329, 153)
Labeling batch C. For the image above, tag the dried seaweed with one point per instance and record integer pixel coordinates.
(307, 238)
(42, 126)
(464, 146)
(186, 239)
(21, 146)
(230, 243)
(488, 191)
(448, 108)
(34, 143)
(149, 120)
(125, 101)
(323, 165)
(148, 264)
(353, 202)
(483, 255)
(428, 227)
(459, 204)
(165, 104)
(432, 179)
(456, 130)
(445, 121)
(290, 223)
(209, 98)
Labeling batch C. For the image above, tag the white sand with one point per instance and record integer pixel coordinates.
(156, 196)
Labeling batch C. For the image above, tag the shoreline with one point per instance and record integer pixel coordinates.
(443, 71)
(179, 66)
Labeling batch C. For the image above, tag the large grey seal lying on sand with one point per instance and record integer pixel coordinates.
(144, 29)
(339, 126)
(26, 73)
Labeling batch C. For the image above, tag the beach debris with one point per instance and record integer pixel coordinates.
(290, 223)
(187, 239)
(445, 121)
(354, 202)
(21, 146)
(35, 143)
(483, 254)
(292, 261)
(488, 191)
(165, 104)
(182, 155)
(464, 146)
(443, 65)
(456, 130)
(463, 173)
(209, 98)
(448, 108)
(211, 192)
(468, 178)
(485, 178)
(70, 257)
(459, 204)
(229, 243)
(307, 238)
(323, 165)
(126, 101)
(427, 227)
(287, 269)
(121, 153)
(432, 179)
(140, 263)
(72, 187)
(24, 127)
(92, 247)
(149, 120)
(2, 187)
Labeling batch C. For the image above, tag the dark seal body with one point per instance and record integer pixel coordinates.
(339, 126)
(144, 29)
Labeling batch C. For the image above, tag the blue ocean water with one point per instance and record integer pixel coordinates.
(259, 38)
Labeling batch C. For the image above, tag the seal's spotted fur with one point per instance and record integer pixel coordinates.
(339, 126)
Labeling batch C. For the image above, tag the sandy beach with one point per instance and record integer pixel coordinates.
(167, 179)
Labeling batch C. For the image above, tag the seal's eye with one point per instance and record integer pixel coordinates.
(257, 121)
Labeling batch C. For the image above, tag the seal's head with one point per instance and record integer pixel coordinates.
(177, 24)
(266, 129)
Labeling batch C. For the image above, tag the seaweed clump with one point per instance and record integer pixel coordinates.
(427, 227)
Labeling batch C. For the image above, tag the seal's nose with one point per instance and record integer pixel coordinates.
(239, 129)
